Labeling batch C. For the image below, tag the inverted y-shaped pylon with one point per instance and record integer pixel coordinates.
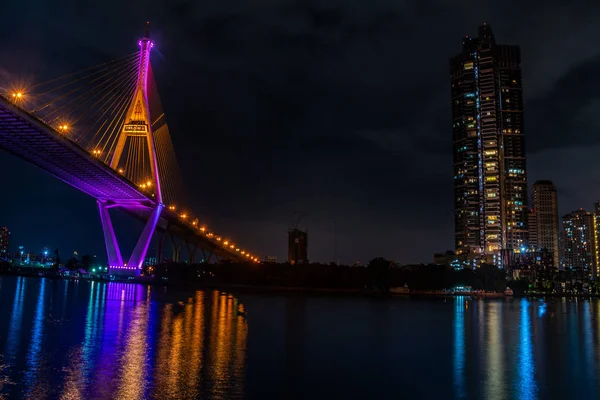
(138, 123)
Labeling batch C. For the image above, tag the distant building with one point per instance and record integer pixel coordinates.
(270, 260)
(579, 241)
(597, 235)
(4, 240)
(532, 226)
(461, 261)
(297, 246)
(543, 222)
(446, 258)
(490, 174)
(150, 261)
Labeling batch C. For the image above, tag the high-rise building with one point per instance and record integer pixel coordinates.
(4, 236)
(297, 246)
(543, 228)
(579, 241)
(490, 180)
(532, 225)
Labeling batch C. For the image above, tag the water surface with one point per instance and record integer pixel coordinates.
(90, 340)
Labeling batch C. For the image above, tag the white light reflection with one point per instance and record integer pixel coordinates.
(494, 387)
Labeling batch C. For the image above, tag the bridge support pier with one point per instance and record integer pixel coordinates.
(191, 252)
(176, 249)
(110, 239)
(141, 248)
(210, 254)
(160, 248)
(136, 261)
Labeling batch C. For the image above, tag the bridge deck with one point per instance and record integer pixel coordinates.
(25, 136)
(30, 139)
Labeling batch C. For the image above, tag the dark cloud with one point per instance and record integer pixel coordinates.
(338, 110)
(566, 114)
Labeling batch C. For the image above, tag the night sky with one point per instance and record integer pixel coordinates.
(337, 110)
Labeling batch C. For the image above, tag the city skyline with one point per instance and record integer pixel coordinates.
(363, 145)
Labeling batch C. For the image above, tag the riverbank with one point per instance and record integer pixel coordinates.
(192, 285)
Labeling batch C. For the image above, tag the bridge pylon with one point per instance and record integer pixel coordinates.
(138, 123)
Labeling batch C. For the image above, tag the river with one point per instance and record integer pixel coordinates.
(90, 340)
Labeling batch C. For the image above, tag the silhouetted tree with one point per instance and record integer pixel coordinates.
(86, 261)
(56, 264)
(72, 264)
(379, 269)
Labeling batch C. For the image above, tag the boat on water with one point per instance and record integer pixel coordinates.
(400, 290)
(508, 291)
(462, 290)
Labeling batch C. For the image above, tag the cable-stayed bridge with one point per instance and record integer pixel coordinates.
(103, 131)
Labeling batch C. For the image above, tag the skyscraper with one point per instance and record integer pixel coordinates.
(579, 242)
(4, 236)
(490, 180)
(543, 229)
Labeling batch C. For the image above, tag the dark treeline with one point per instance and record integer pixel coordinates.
(379, 274)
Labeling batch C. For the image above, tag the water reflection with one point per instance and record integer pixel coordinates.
(121, 341)
(35, 346)
(14, 330)
(459, 347)
(526, 370)
(495, 370)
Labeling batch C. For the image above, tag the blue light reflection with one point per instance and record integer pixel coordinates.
(526, 368)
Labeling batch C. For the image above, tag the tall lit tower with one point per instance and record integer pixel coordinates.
(543, 228)
(490, 180)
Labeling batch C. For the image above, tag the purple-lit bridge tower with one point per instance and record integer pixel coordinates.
(137, 124)
(103, 131)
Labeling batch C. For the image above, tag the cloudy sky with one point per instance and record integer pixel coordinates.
(336, 110)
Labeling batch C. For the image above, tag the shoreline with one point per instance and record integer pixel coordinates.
(302, 290)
